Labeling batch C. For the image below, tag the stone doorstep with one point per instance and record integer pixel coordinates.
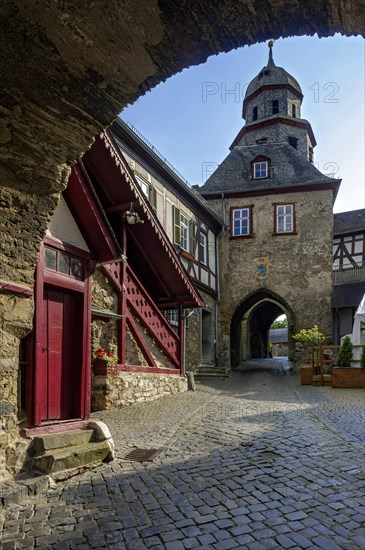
(57, 440)
(15, 492)
(207, 371)
(69, 458)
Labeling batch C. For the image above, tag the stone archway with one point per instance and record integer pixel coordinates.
(251, 322)
(67, 69)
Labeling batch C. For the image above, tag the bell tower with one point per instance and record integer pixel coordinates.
(272, 111)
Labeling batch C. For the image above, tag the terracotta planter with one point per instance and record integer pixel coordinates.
(349, 377)
(101, 368)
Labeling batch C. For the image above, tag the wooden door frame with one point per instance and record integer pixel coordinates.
(44, 276)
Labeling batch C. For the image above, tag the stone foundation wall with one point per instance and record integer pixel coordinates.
(114, 392)
(15, 322)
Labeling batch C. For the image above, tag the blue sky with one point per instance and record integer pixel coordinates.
(193, 118)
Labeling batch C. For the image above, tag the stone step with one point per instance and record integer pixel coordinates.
(59, 440)
(210, 372)
(70, 457)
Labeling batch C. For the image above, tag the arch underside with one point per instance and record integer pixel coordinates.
(251, 322)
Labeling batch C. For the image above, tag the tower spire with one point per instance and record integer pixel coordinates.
(271, 63)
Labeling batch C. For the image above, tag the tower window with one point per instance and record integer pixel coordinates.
(284, 218)
(293, 141)
(310, 154)
(241, 221)
(293, 110)
(275, 106)
(254, 113)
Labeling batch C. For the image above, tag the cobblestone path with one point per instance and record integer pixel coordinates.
(256, 462)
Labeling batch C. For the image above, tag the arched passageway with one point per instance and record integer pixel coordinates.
(251, 322)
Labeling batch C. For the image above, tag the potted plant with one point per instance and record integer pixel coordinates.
(105, 363)
(345, 353)
(345, 375)
(133, 217)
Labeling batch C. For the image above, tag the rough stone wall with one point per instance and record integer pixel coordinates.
(103, 297)
(263, 102)
(114, 392)
(279, 133)
(300, 266)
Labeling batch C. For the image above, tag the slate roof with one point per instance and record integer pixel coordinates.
(288, 169)
(349, 222)
(276, 75)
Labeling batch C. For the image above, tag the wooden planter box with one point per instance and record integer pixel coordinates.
(306, 375)
(348, 377)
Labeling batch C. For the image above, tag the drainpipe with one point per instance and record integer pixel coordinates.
(217, 270)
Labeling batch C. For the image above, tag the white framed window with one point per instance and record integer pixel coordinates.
(203, 248)
(241, 222)
(184, 228)
(145, 188)
(284, 218)
(184, 231)
(260, 169)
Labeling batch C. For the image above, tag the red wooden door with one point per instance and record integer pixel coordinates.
(61, 354)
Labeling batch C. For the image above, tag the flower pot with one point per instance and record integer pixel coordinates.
(130, 219)
(102, 368)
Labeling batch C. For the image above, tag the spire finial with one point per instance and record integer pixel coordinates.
(271, 59)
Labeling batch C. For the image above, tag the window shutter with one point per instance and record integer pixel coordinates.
(192, 237)
(153, 198)
(176, 225)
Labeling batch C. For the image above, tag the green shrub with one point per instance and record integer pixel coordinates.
(344, 356)
(362, 360)
(311, 336)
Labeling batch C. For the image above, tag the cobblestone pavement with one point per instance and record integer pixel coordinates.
(253, 462)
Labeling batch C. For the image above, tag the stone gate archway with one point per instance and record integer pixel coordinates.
(251, 322)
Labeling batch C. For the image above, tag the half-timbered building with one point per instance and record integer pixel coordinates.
(102, 282)
(348, 269)
(192, 228)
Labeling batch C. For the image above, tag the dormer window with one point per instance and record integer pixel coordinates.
(260, 167)
(254, 113)
(275, 106)
(293, 110)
